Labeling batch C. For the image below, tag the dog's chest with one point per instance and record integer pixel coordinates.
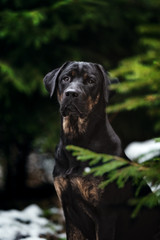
(78, 188)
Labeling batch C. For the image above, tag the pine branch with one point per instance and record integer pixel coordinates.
(119, 170)
(148, 101)
(149, 201)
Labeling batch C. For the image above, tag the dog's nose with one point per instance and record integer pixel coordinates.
(71, 93)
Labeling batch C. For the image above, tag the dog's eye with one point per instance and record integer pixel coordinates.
(91, 80)
(65, 79)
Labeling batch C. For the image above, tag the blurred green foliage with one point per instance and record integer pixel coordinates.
(38, 36)
(141, 88)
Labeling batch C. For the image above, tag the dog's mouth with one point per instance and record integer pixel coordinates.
(71, 110)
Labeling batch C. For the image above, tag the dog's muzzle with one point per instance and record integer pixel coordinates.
(70, 110)
(69, 106)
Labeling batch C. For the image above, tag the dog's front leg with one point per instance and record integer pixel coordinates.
(73, 233)
(106, 227)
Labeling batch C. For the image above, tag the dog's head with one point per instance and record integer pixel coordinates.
(80, 86)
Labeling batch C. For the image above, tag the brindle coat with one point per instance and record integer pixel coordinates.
(90, 212)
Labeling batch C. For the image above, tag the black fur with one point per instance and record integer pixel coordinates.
(91, 213)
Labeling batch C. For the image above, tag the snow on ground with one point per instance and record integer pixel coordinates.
(27, 224)
(143, 150)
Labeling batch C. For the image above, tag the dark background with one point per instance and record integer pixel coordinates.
(38, 36)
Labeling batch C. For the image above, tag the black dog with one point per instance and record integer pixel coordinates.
(90, 212)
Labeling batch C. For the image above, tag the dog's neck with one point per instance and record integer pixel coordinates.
(74, 127)
(93, 132)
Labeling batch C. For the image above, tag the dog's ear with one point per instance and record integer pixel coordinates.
(51, 78)
(106, 82)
